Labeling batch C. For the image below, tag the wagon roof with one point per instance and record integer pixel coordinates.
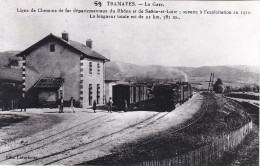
(73, 45)
(124, 85)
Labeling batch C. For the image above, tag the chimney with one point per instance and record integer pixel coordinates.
(89, 43)
(65, 36)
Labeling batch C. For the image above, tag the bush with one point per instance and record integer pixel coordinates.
(218, 86)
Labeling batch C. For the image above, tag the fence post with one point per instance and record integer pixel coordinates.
(194, 157)
(206, 154)
(201, 155)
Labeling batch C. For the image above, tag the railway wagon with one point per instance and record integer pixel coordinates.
(167, 96)
(134, 94)
(123, 92)
(190, 91)
(143, 92)
(186, 91)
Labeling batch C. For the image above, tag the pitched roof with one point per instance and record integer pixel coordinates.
(52, 83)
(10, 74)
(86, 50)
(75, 46)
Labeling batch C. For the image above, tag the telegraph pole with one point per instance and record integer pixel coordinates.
(212, 79)
(209, 81)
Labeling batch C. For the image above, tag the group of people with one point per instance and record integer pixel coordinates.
(109, 105)
(71, 102)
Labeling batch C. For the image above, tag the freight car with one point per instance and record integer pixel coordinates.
(167, 96)
(163, 97)
(134, 94)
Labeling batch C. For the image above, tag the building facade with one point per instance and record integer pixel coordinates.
(57, 67)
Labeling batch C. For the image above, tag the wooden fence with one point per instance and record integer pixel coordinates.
(205, 155)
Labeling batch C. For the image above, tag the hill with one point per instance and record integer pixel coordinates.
(224, 72)
(229, 74)
(236, 75)
(153, 72)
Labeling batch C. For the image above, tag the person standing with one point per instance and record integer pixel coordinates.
(110, 104)
(94, 106)
(61, 105)
(23, 103)
(72, 102)
(126, 106)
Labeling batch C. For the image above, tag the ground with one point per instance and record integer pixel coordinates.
(247, 154)
(73, 138)
(84, 137)
(217, 116)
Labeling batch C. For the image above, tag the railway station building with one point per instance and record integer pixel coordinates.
(56, 67)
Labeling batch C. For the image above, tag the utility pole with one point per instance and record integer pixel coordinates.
(212, 80)
(209, 81)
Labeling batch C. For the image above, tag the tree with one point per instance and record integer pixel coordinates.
(256, 88)
(228, 89)
(218, 86)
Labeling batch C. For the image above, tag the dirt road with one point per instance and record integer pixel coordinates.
(84, 135)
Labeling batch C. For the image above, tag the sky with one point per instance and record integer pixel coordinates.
(192, 40)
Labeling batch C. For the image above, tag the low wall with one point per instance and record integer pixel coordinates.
(205, 155)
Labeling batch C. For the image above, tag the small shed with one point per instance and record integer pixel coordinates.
(49, 91)
(10, 88)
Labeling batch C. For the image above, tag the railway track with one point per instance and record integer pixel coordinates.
(190, 130)
(75, 148)
(29, 147)
(129, 132)
(175, 131)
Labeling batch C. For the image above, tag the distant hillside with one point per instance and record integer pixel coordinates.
(225, 72)
(231, 75)
(125, 70)
(254, 69)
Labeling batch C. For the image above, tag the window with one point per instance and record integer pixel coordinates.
(98, 69)
(52, 48)
(98, 93)
(90, 67)
(90, 94)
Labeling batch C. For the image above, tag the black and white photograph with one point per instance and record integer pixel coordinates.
(135, 83)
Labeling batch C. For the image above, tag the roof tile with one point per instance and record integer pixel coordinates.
(53, 83)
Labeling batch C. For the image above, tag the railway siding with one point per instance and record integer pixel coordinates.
(85, 136)
(205, 130)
